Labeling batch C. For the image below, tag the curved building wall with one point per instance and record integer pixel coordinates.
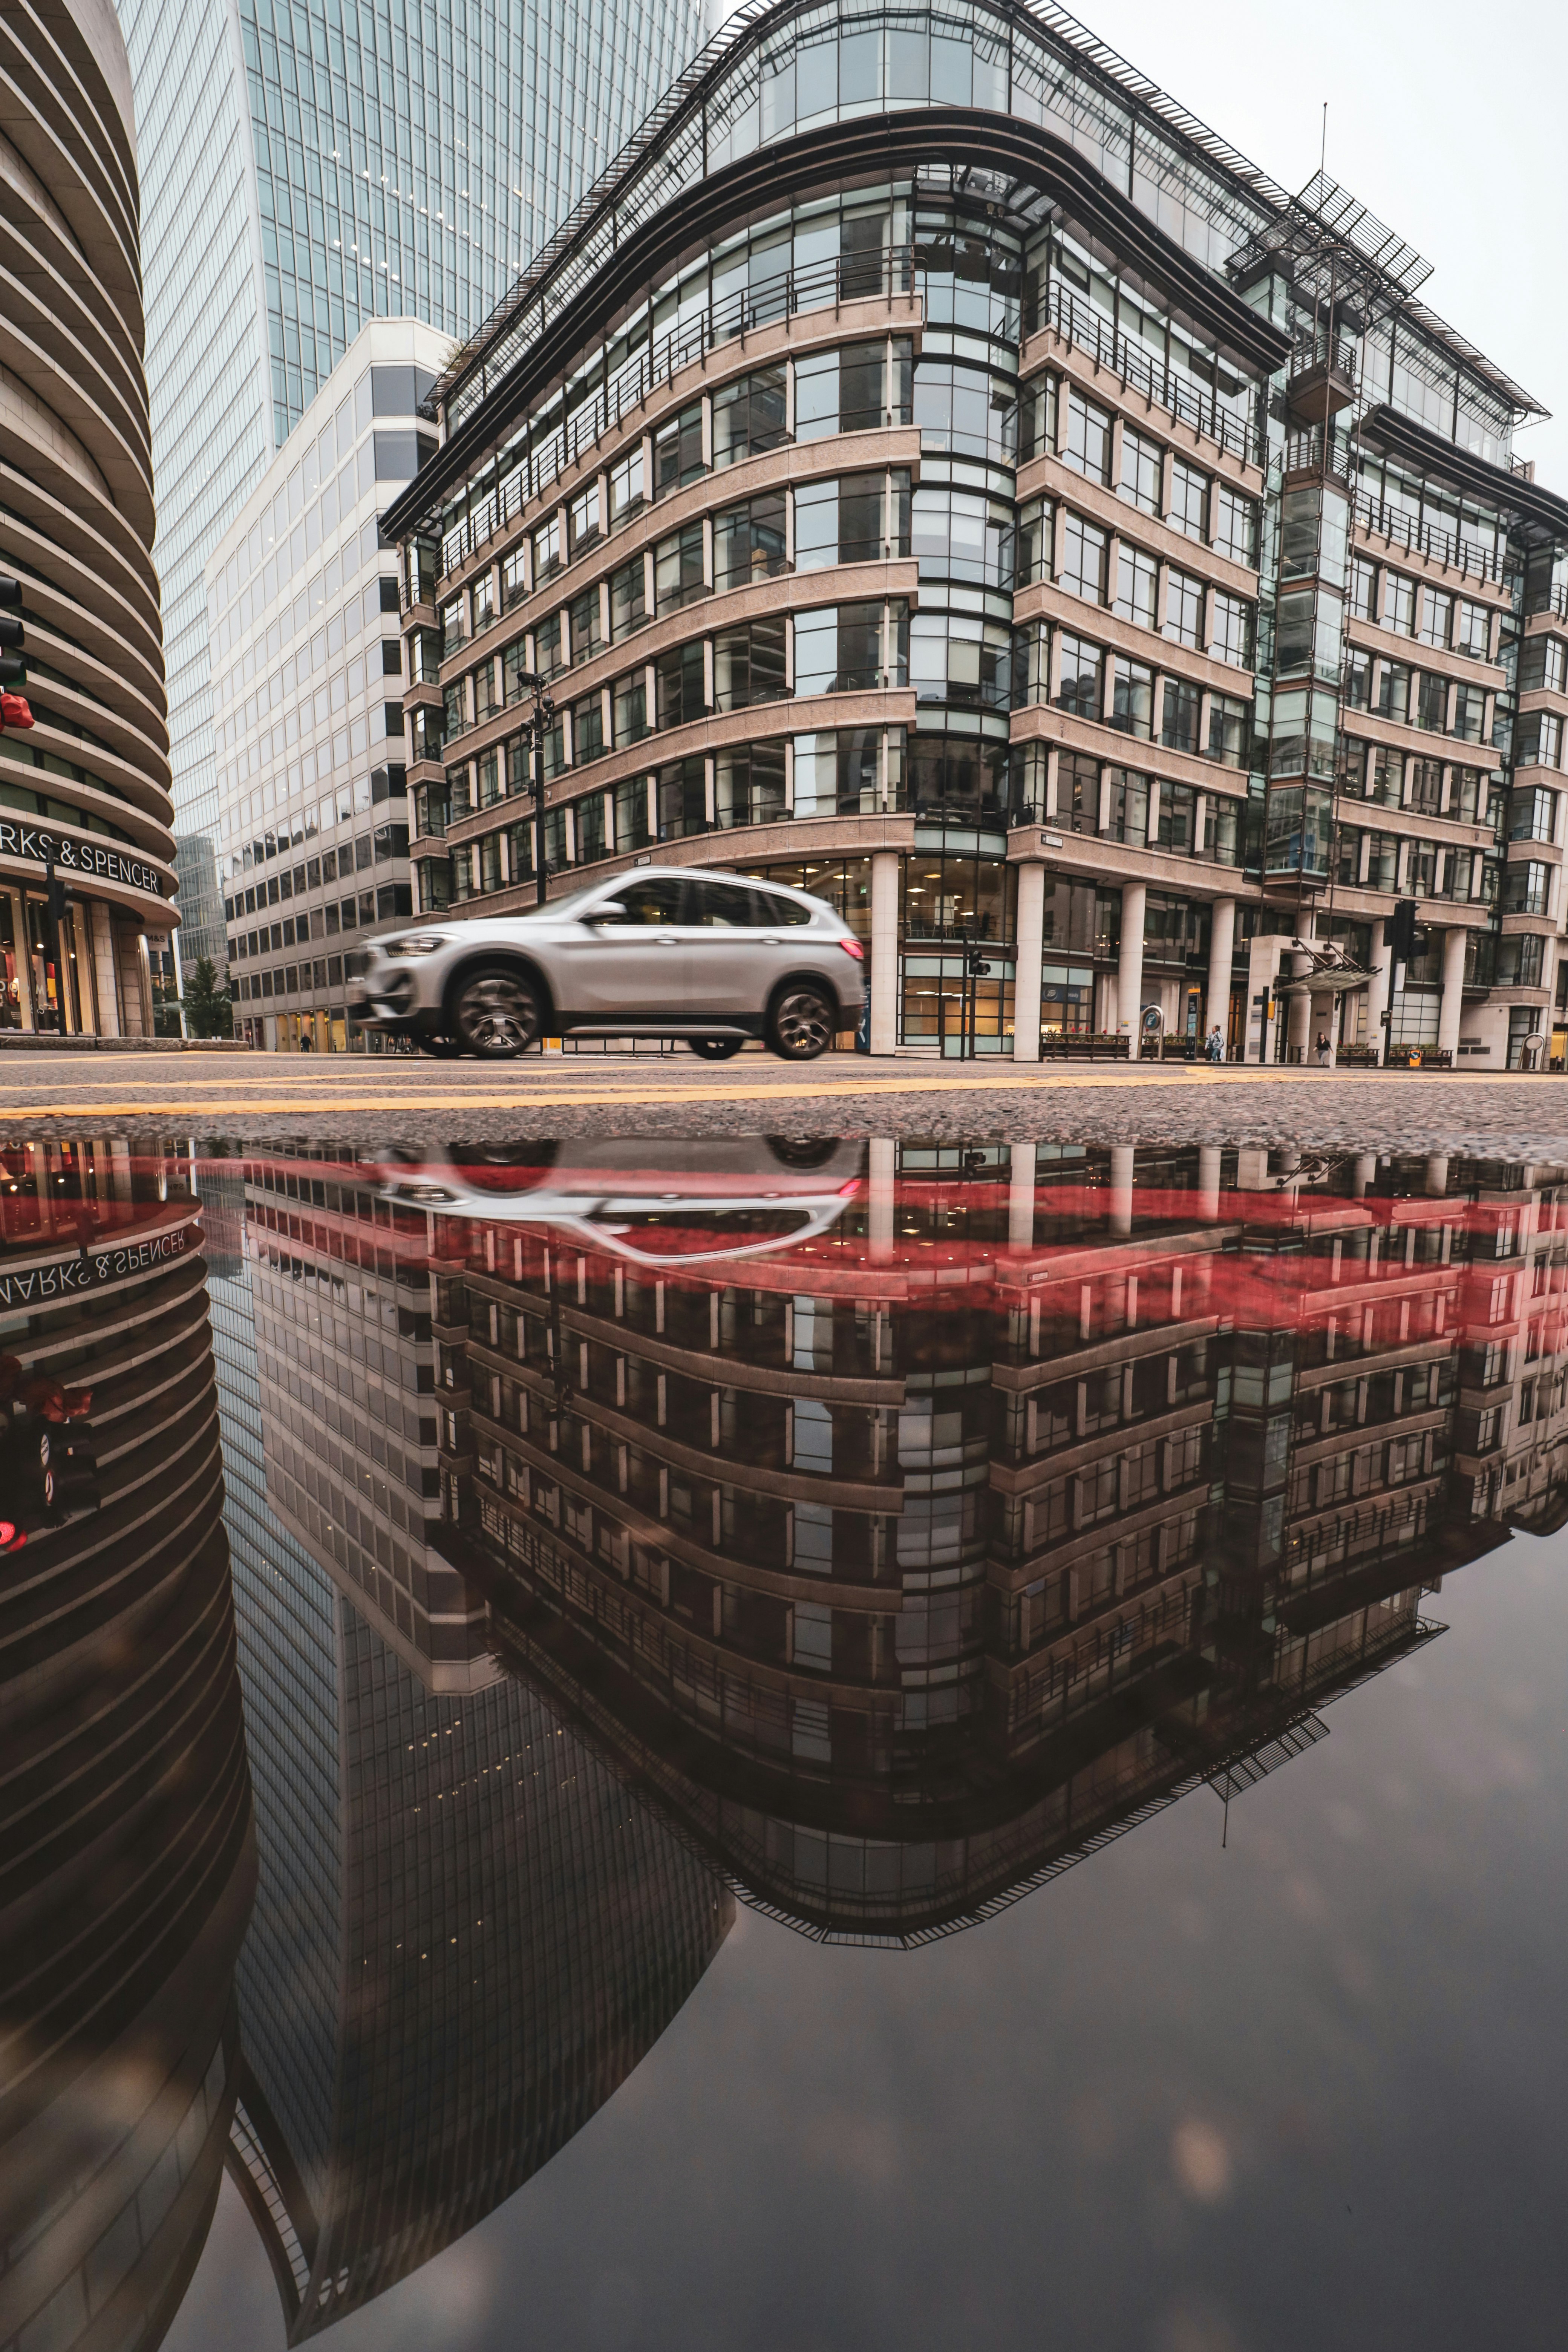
(87, 787)
(915, 473)
(128, 1866)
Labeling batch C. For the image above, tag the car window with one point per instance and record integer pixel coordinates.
(656, 899)
(772, 909)
(721, 906)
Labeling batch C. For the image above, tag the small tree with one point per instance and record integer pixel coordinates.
(208, 1009)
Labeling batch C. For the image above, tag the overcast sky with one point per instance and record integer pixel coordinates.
(1440, 120)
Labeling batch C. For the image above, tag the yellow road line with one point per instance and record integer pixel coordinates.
(543, 1099)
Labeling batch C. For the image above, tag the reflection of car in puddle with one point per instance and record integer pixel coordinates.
(653, 1202)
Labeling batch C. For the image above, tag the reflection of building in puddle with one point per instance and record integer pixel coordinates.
(128, 1865)
(906, 1562)
(466, 1932)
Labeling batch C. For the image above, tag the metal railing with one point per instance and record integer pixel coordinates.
(1423, 538)
(842, 278)
(1317, 351)
(1080, 324)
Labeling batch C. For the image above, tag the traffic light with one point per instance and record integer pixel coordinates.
(1402, 931)
(14, 710)
(976, 966)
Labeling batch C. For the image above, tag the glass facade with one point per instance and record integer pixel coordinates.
(1058, 530)
(326, 168)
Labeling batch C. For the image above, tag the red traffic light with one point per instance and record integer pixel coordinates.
(15, 711)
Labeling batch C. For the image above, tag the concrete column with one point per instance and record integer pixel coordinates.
(884, 951)
(1436, 1170)
(882, 1160)
(1021, 1197)
(1377, 993)
(1365, 1171)
(1209, 1157)
(1129, 970)
(1222, 941)
(1121, 1185)
(1031, 955)
(1454, 945)
(1298, 1017)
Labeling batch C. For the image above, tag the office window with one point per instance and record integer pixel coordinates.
(1179, 716)
(629, 700)
(627, 486)
(1086, 445)
(1032, 552)
(1137, 586)
(1079, 688)
(1236, 525)
(587, 729)
(1132, 698)
(1399, 603)
(748, 542)
(678, 452)
(1189, 501)
(678, 570)
(749, 416)
(1083, 559)
(628, 594)
(1127, 807)
(679, 684)
(1231, 630)
(1472, 632)
(1362, 589)
(1141, 466)
(749, 664)
(586, 639)
(1077, 793)
(1230, 730)
(1185, 609)
(1436, 616)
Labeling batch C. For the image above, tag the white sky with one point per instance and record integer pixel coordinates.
(1440, 120)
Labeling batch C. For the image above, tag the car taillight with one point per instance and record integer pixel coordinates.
(853, 947)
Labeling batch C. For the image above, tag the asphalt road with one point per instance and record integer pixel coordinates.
(360, 1100)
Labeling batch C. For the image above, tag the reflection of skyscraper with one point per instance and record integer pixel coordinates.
(906, 1562)
(126, 1862)
(466, 1932)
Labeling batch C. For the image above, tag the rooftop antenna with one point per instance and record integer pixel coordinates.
(1323, 148)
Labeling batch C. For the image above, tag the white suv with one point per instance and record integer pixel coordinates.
(662, 951)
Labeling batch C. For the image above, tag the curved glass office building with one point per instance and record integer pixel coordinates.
(941, 469)
(326, 170)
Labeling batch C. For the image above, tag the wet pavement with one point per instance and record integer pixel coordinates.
(376, 1101)
(791, 1740)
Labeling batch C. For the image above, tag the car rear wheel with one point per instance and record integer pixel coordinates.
(445, 1049)
(497, 1012)
(715, 1049)
(803, 1022)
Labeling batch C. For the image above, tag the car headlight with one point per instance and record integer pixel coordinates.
(418, 943)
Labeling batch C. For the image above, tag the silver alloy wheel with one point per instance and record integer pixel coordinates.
(804, 1024)
(497, 1014)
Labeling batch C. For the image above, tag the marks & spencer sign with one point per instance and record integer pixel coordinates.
(90, 859)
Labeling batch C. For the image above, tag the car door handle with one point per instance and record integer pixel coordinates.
(667, 939)
(770, 939)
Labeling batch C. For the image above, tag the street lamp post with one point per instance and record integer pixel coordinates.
(536, 726)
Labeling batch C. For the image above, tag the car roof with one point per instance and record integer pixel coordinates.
(716, 873)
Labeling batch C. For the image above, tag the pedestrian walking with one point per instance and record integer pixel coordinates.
(1216, 1046)
(1322, 1049)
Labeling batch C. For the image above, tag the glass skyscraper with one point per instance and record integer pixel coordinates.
(307, 169)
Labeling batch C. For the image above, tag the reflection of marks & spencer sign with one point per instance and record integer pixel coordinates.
(38, 845)
(69, 1277)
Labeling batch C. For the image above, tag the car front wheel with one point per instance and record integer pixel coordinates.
(803, 1022)
(497, 1012)
(715, 1049)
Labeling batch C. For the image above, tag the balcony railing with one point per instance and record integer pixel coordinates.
(1080, 324)
(842, 278)
(1423, 538)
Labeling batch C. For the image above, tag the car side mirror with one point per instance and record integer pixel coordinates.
(611, 914)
